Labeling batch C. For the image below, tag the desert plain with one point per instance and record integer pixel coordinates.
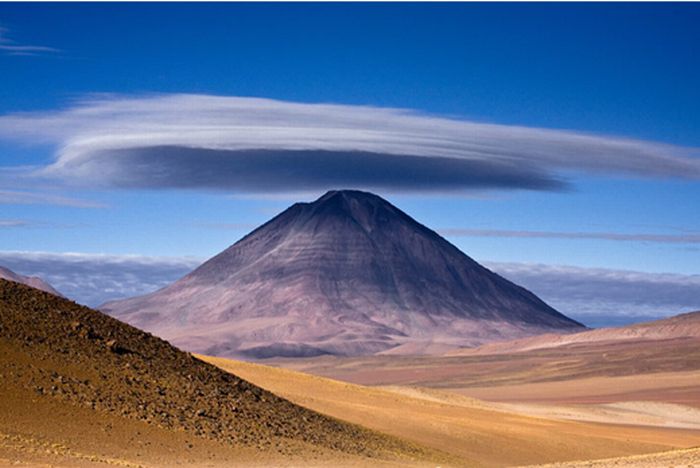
(564, 404)
(83, 389)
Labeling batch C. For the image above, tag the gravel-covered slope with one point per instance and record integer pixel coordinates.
(56, 349)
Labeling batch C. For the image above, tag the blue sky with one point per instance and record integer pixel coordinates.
(615, 72)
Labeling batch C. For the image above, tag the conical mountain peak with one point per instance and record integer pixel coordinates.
(346, 274)
(349, 194)
(364, 208)
(352, 197)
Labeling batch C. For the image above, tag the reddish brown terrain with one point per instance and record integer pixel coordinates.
(79, 387)
(83, 389)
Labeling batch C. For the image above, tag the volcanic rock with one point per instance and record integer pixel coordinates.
(348, 274)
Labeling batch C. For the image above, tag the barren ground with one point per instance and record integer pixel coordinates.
(665, 371)
(80, 388)
(687, 458)
(479, 433)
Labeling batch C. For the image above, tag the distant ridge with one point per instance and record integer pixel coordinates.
(33, 281)
(347, 274)
(682, 326)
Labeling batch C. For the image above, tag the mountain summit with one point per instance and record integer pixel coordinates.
(346, 274)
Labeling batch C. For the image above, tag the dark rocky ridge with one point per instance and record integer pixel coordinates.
(51, 348)
(347, 274)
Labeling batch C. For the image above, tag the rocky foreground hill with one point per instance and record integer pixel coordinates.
(53, 351)
(348, 274)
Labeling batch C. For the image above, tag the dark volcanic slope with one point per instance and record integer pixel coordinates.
(56, 350)
(347, 274)
(33, 281)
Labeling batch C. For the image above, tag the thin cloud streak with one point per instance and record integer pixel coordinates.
(609, 236)
(13, 223)
(250, 145)
(13, 48)
(11, 197)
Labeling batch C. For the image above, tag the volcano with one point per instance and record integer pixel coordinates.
(348, 274)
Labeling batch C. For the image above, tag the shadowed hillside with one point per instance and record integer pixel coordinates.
(53, 351)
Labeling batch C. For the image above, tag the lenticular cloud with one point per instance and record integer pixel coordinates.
(249, 145)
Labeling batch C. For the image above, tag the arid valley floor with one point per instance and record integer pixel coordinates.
(545, 406)
(349, 234)
(82, 389)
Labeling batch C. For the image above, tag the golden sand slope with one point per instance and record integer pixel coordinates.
(80, 388)
(479, 433)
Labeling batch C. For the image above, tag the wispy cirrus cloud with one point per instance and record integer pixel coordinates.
(686, 238)
(250, 145)
(12, 47)
(12, 197)
(13, 223)
(36, 224)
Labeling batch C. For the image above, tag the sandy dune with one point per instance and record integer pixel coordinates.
(475, 431)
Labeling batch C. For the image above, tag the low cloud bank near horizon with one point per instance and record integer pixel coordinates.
(92, 279)
(595, 296)
(605, 297)
(252, 145)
